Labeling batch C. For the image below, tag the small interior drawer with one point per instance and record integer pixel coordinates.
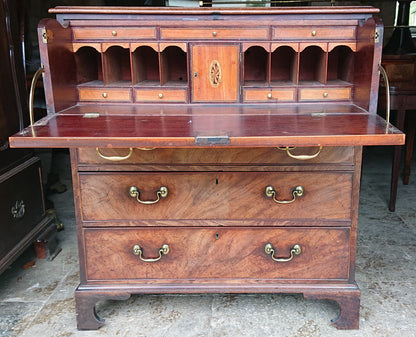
(314, 33)
(214, 195)
(197, 253)
(161, 95)
(214, 33)
(104, 94)
(324, 94)
(269, 95)
(114, 33)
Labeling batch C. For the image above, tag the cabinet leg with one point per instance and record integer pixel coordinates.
(349, 303)
(87, 318)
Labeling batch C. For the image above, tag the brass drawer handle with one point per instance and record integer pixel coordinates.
(134, 192)
(138, 251)
(115, 158)
(302, 156)
(295, 250)
(297, 192)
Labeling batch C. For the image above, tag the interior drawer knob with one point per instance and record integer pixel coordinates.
(295, 250)
(114, 33)
(325, 94)
(214, 33)
(297, 192)
(138, 251)
(105, 95)
(160, 95)
(269, 95)
(162, 192)
(313, 33)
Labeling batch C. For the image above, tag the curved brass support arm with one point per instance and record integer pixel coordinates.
(115, 158)
(386, 81)
(35, 79)
(300, 157)
(295, 250)
(138, 251)
(134, 192)
(297, 192)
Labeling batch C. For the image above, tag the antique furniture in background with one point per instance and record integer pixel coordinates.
(213, 150)
(401, 71)
(399, 58)
(22, 210)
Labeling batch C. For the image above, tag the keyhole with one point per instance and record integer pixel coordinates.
(217, 236)
(216, 181)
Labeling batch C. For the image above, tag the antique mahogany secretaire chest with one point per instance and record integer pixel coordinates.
(213, 150)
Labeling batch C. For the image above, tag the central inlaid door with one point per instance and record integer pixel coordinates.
(215, 73)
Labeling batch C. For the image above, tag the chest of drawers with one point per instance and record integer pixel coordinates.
(213, 150)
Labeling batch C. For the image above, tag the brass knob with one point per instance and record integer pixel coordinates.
(105, 95)
(160, 95)
(313, 33)
(269, 95)
(214, 33)
(325, 94)
(114, 33)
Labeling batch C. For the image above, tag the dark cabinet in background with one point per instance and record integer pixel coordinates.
(22, 208)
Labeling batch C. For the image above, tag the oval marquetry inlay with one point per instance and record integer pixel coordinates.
(215, 73)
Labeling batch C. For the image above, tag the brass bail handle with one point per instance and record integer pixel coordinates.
(302, 156)
(295, 250)
(297, 192)
(115, 158)
(35, 79)
(162, 192)
(138, 251)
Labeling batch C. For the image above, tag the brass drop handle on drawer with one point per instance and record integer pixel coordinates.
(138, 251)
(297, 192)
(134, 192)
(115, 158)
(295, 250)
(301, 156)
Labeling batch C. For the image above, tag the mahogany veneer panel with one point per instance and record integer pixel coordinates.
(216, 253)
(181, 131)
(215, 195)
(329, 156)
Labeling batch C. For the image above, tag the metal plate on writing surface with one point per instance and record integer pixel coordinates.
(210, 139)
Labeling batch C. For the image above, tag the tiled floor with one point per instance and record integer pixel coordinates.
(39, 301)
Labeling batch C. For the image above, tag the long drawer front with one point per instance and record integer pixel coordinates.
(238, 156)
(215, 195)
(199, 253)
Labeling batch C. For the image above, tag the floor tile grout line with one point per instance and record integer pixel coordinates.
(30, 323)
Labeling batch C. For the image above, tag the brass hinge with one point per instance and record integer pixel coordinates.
(376, 35)
(45, 36)
(91, 115)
